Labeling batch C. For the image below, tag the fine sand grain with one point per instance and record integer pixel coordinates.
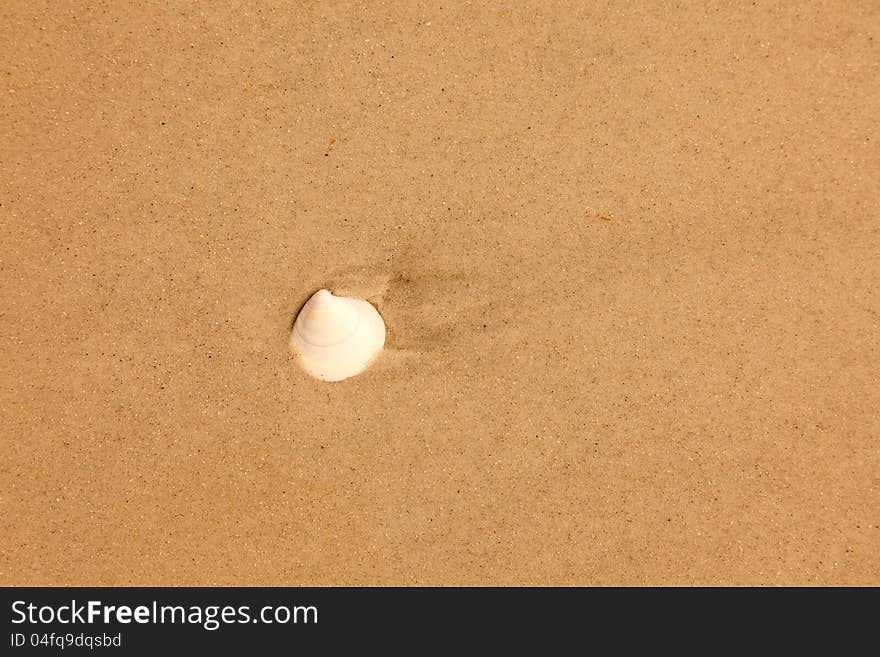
(627, 256)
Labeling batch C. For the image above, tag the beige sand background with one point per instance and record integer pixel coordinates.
(628, 255)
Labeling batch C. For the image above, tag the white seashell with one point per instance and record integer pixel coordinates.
(337, 337)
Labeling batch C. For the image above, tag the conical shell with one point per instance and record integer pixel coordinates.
(337, 337)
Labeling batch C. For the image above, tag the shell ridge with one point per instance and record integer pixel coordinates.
(332, 344)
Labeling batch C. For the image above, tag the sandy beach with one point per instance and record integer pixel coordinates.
(627, 256)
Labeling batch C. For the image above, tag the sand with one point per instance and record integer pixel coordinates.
(627, 255)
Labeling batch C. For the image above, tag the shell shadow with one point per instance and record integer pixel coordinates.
(423, 310)
(429, 302)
